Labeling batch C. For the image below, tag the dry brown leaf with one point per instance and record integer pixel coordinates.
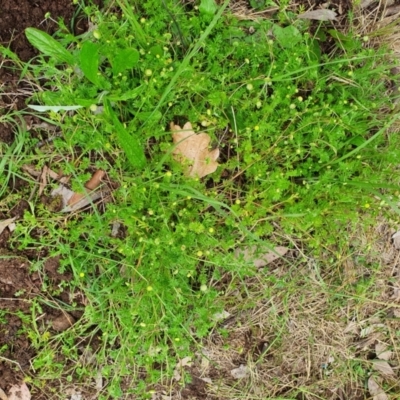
(241, 372)
(383, 367)
(184, 362)
(7, 223)
(261, 256)
(193, 150)
(375, 390)
(73, 201)
(382, 352)
(396, 240)
(3, 396)
(95, 181)
(63, 322)
(19, 392)
(319, 15)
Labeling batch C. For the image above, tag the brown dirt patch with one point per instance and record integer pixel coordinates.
(18, 286)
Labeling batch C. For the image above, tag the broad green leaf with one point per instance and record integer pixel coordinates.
(149, 116)
(287, 37)
(48, 46)
(53, 108)
(208, 7)
(128, 95)
(156, 51)
(89, 61)
(125, 59)
(130, 144)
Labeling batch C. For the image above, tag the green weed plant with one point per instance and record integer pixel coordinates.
(297, 114)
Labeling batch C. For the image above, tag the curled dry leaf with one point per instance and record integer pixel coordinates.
(382, 352)
(261, 256)
(396, 240)
(19, 392)
(186, 361)
(193, 150)
(7, 223)
(375, 390)
(63, 322)
(241, 372)
(319, 15)
(3, 396)
(383, 367)
(73, 201)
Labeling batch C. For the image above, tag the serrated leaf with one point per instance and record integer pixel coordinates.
(125, 59)
(48, 46)
(89, 61)
(53, 108)
(208, 7)
(130, 144)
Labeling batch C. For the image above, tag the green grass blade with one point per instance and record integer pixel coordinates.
(130, 144)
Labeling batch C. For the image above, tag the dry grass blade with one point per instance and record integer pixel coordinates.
(319, 15)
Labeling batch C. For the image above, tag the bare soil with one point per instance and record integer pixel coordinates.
(18, 286)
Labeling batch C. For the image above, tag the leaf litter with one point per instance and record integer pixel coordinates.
(73, 201)
(261, 256)
(375, 390)
(192, 150)
(7, 223)
(19, 392)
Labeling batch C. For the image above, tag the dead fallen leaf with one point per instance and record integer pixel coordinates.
(366, 342)
(63, 322)
(76, 396)
(241, 372)
(193, 150)
(261, 256)
(319, 15)
(352, 327)
(95, 181)
(3, 396)
(19, 392)
(396, 240)
(220, 316)
(186, 361)
(383, 367)
(72, 201)
(99, 381)
(7, 223)
(375, 390)
(382, 352)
